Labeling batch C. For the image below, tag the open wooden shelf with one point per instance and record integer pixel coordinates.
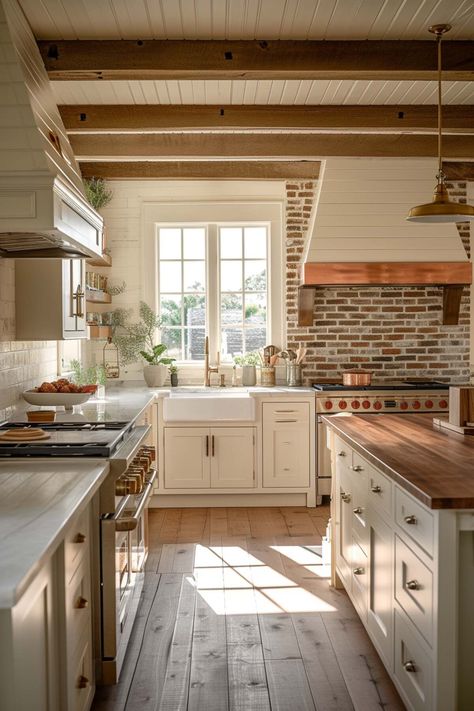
(105, 260)
(98, 297)
(100, 331)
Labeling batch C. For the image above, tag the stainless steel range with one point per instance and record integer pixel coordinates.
(405, 397)
(121, 532)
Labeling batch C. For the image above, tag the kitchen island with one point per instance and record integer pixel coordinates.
(403, 542)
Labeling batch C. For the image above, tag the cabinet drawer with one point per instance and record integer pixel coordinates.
(78, 605)
(76, 543)
(286, 411)
(413, 667)
(81, 679)
(415, 520)
(380, 492)
(343, 453)
(359, 579)
(414, 588)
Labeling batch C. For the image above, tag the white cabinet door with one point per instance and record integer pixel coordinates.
(380, 603)
(187, 458)
(232, 457)
(286, 454)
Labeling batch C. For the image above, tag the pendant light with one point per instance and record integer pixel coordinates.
(442, 209)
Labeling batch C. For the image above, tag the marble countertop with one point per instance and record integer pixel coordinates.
(37, 501)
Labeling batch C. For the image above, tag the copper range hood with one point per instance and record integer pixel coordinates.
(358, 235)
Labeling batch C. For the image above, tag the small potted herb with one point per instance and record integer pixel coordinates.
(173, 375)
(248, 363)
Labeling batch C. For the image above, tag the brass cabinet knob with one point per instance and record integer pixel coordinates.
(358, 510)
(341, 453)
(411, 520)
(358, 571)
(410, 666)
(79, 538)
(357, 468)
(81, 603)
(82, 682)
(376, 489)
(413, 585)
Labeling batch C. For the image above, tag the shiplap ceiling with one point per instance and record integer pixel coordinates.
(247, 19)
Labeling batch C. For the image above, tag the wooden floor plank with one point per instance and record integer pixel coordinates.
(288, 685)
(278, 637)
(248, 690)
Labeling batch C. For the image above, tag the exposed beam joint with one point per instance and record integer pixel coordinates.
(117, 118)
(279, 59)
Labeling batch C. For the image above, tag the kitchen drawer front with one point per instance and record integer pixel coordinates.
(415, 520)
(414, 588)
(80, 678)
(76, 543)
(78, 605)
(360, 529)
(359, 579)
(413, 666)
(286, 411)
(343, 454)
(380, 492)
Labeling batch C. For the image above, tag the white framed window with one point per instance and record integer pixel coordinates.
(213, 279)
(68, 350)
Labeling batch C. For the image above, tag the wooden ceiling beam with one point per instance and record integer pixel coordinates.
(202, 170)
(117, 118)
(244, 59)
(168, 146)
(461, 170)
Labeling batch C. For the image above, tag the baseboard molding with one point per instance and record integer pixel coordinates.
(172, 501)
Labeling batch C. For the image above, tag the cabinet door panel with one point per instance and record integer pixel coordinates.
(380, 620)
(286, 455)
(233, 457)
(187, 458)
(344, 516)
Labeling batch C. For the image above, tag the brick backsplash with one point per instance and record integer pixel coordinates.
(22, 363)
(395, 332)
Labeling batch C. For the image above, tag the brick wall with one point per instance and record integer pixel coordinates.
(22, 364)
(395, 332)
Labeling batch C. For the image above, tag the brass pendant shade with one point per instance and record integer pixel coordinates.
(441, 209)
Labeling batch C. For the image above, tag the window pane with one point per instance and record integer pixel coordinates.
(171, 337)
(231, 309)
(231, 242)
(255, 338)
(170, 310)
(170, 276)
(232, 343)
(255, 242)
(194, 310)
(231, 276)
(194, 343)
(194, 244)
(256, 309)
(194, 276)
(170, 243)
(255, 275)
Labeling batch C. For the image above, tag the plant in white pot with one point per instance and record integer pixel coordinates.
(135, 340)
(248, 363)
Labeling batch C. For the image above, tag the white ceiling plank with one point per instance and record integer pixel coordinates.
(270, 19)
(132, 19)
(204, 19)
(172, 20)
(321, 19)
(236, 20)
(302, 20)
(263, 89)
(276, 92)
(250, 92)
(219, 19)
(188, 18)
(156, 19)
(237, 92)
(162, 91)
(366, 15)
(344, 19)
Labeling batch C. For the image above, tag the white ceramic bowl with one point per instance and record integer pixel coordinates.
(66, 400)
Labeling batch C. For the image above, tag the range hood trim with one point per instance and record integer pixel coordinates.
(327, 274)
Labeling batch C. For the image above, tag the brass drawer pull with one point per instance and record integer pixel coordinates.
(341, 453)
(409, 666)
(413, 585)
(358, 571)
(345, 497)
(376, 489)
(357, 468)
(82, 682)
(79, 538)
(358, 510)
(411, 520)
(207, 445)
(81, 603)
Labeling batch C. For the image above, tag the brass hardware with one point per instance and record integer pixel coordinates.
(357, 468)
(409, 666)
(358, 510)
(207, 445)
(341, 454)
(345, 497)
(222, 380)
(127, 485)
(207, 368)
(376, 489)
(82, 682)
(411, 519)
(413, 585)
(358, 571)
(78, 296)
(81, 603)
(213, 447)
(79, 538)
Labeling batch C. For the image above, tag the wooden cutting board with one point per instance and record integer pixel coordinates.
(27, 434)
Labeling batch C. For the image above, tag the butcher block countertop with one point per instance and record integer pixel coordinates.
(437, 467)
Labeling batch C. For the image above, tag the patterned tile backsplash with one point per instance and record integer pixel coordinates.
(23, 364)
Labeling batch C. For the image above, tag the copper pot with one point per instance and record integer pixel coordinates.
(356, 377)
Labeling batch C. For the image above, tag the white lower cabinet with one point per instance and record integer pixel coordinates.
(286, 445)
(209, 457)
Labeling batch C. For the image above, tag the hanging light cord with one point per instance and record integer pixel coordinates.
(439, 37)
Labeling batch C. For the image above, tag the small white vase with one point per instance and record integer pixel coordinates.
(155, 375)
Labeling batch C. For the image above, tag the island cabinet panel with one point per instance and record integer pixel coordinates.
(380, 606)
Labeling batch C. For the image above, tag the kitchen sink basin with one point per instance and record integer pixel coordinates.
(208, 405)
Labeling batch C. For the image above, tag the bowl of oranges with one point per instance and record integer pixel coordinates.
(59, 393)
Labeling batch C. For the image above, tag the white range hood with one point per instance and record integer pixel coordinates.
(43, 209)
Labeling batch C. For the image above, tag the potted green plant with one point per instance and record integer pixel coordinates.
(137, 340)
(248, 363)
(173, 375)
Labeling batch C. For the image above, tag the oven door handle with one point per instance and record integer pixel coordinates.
(129, 523)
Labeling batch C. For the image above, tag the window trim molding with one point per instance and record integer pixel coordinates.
(212, 213)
